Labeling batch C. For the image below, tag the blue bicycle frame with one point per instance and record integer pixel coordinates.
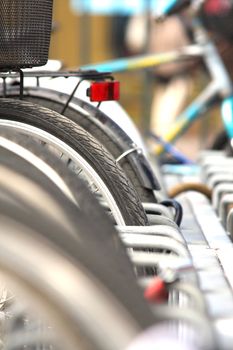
(220, 85)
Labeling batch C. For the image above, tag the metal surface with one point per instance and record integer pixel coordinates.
(219, 191)
(226, 203)
(156, 208)
(157, 243)
(208, 242)
(157, 230)
(123, 155)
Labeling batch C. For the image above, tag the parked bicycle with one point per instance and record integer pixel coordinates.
(59, 247)
(218, 90)
(78, 148)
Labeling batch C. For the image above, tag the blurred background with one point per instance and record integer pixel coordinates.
(82, 37)
(91, 31)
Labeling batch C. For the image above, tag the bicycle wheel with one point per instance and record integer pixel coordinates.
(59, 291)
(74, 316)
(95, 248)
(77, 266)
(81, 149)
(111, 140)
(32, 153)
(36, 163)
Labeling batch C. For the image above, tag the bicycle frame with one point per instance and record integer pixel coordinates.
(219, 86)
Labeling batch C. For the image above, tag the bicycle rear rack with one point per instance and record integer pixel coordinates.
(90, 75)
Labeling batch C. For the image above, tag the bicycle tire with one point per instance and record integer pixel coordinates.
(84, 144)
(68, 320)
(163, 312)
(87, 203)
(68, 246)
(52, 167)
(110, 143)
(101, 244)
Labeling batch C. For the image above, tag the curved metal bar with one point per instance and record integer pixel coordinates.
(161, 243)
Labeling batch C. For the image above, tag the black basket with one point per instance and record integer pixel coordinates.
(25, 29)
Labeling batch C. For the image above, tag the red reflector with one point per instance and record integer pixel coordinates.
(104, 91)
(156, 291)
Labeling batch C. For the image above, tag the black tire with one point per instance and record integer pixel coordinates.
(87, 203)
(87, 123)
(85, 145)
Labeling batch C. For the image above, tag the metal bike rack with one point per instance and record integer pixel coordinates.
(158, 209)
(218, 192)
(141, 241)
(226, 203)
(157, 230)
(216, 179)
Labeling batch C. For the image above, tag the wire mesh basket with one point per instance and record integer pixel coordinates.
(25, 29)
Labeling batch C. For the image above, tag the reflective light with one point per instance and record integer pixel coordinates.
(104, 91)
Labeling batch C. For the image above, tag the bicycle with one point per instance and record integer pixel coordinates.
(32, 206)
(80, 151)
(125, 151)
(103, 279)
(51, 222)
(56, 237)
(218, 90)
